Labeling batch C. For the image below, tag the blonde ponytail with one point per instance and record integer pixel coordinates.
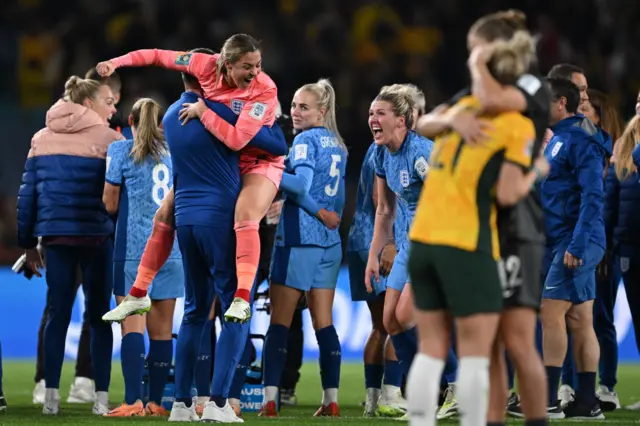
(146, 117)
(326, 95)
(623, 149)
(512, 58)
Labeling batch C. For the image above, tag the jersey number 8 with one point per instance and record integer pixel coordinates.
(160, 176)
(334, 172)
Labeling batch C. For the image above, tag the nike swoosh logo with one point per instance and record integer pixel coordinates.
(240, 257)
(552, 287)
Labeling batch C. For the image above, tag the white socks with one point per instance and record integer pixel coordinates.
(270, 394)
(329, 396)
(102, 398)
(472, 390)
(423, 388)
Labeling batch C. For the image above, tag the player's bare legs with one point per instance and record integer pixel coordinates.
(255, 198)
(517, 335)
(155, 255)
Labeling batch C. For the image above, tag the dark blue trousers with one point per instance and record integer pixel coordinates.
(96, 264)
(208, 255)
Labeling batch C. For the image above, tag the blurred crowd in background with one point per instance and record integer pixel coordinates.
(359, 44)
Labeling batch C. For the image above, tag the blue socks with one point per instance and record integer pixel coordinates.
(451, 367)
(159, 361)
(406, 345)
(240, 376)
(203, 362)
(373, 376)
(553, 378)
(510, 372)
(275, 354)
(586, 392)
(132, 356)
(569, 367)
(330, 357)
(392, 373)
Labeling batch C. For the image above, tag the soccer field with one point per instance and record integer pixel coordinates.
(18, 385)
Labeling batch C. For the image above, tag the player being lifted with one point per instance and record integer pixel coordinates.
(235, 78)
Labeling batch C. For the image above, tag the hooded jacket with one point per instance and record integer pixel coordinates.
(63, 181)
(573, 193)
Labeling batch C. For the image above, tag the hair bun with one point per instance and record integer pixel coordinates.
(72, 82)
(516, 17)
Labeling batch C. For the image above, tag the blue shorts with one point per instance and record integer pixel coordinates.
(307, 267)
(399, 275)
(573, 285)
(168, 283)
(357, 264)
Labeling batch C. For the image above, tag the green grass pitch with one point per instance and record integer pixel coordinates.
(18, 385)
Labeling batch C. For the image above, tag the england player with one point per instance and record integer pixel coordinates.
(139, 177)
(235, 78)
(400, 166)
(307, 255)
(206, 185)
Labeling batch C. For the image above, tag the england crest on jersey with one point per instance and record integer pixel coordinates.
(236, 106)
(556, 149)
(624, 264)
(404, 178)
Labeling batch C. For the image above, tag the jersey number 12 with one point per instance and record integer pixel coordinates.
(334, 172)
(160, 176)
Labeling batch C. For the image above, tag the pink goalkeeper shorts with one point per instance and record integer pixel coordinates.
(258, 162)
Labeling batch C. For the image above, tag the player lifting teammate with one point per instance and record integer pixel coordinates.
(235, 78)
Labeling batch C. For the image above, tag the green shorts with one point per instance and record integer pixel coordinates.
(461, 282)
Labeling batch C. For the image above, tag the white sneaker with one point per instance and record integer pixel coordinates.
(100, 409)
(371, 403)
(608, 399)
(239, 311)
(129, 306)
(38, 392)
(450, 406)
(82, 391)
(391, 403)
(213, 413)
(181, 413)
(51, 405)
(566, 394)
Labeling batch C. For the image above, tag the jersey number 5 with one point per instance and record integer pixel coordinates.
(334, 172)
(160, 176)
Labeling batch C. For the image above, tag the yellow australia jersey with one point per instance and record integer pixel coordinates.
(457, 205)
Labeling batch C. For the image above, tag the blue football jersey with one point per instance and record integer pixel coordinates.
(404, 171)
(143, 186)
(320, 151)
(400, 226)
(206, 173)
(361, 231)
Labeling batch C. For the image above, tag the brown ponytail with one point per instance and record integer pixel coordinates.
(146, 117)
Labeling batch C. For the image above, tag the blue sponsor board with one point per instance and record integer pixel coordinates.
(22, 303)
